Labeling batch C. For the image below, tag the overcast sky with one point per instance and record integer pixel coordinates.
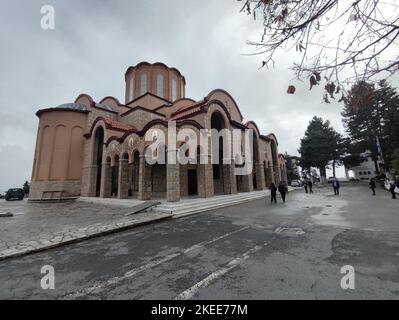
(94, 42)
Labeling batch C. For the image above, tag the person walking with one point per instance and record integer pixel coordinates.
(310, 185)
(305, 185)
(282, 188)
(372, 185)
(392, 187)
(273, 193)
(336, 186)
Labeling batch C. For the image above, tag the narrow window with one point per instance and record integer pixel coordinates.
(160, 85)
(174, 90)
(143, 88)
(131, 87)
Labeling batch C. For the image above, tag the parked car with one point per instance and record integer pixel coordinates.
(15, 193)
(380, 177)
(2, 196)
(296, 183)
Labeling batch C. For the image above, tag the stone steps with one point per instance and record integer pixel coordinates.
(192, 206)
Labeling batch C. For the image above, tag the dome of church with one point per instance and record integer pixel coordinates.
(72, 106)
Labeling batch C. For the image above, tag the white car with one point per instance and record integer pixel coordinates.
(296, 183)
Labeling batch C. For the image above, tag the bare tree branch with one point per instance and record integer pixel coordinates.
(343, 40)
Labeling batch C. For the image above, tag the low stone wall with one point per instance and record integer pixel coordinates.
(57, 189)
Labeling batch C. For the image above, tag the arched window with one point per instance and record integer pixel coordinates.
(174, 90)
(160, 85)
(131, 87)
(143, 87)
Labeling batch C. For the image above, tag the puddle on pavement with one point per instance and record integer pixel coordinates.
(331, 215)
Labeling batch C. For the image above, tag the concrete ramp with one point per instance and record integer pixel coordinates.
(143, 206)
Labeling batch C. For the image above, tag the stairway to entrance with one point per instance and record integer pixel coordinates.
(194, 205)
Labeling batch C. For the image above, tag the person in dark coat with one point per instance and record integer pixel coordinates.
(392, 187)
(282, 188)
(336, 186)
(305, 185)
(372, 185)
(273, 193)
(310, 185)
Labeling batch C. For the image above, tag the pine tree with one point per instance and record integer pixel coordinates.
(320, 145)
(372, 113)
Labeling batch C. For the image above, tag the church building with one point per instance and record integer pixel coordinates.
(97, 149)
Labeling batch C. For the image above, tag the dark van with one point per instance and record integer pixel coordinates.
(15, 193)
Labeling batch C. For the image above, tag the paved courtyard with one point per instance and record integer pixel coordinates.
(249, 251)
(35, 226)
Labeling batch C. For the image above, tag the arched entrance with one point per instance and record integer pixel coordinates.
(115, 176)
(192, 174)
(98, 157)
(217, 122)
(134, 174)
(158, 176)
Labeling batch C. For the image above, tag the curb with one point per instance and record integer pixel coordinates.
(83, 238)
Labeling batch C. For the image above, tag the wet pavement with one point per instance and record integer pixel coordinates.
(255, 250)
(31, 226)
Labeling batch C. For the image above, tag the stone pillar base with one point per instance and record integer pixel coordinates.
(106, 176)
(123, 179)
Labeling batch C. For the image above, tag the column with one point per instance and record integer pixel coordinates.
(105, 190)
(172, 177)
(247, 183)
(269, 176)
(260, 176)
(89, 181)
(205, 177)
(229, 179)
(123, 179)
(144, 179)
(276, 173)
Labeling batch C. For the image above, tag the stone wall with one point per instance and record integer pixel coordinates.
(54, 189)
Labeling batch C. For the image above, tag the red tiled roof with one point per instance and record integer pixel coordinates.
(116, 125)
(187, 110)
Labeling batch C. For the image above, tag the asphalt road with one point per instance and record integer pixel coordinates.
(254, 250)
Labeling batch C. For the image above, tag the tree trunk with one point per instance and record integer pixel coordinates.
(323, 174)
(347, 173)
(334, 168)
(377, 170)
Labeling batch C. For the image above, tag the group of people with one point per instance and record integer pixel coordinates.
(282, 188)
(392, 187)
(372, 186)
